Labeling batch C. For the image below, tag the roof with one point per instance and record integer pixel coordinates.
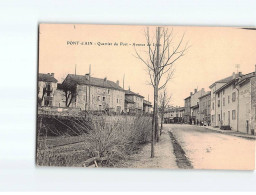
(147, 103)
(239, 80)
(246, 77)
(187, 97)
(72, 79)
(129, 92)
(225, 80)
(46, 78)
(207, 94)
(129, 101)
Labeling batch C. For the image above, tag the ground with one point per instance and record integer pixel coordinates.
(199, 147)
(164, 156)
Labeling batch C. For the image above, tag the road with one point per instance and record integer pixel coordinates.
(206, 149)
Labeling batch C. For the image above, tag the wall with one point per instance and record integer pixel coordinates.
(244, 108)
(100, 98)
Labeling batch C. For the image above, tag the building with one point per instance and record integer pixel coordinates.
(215, 113)
(47, 86)
(174, 115)
(147, 107)
(205, 108)
(247, 103)
(195, 116)
(93, 94)
(236, 103)
(133, 102)
(187, 109)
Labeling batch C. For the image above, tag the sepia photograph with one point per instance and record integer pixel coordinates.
(154, 97)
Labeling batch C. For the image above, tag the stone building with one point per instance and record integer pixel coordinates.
(215, 100)
(195, 105)
(47, 86)
(147, 107)
(93, 94)
(205, 108)
(236, 103)
(174, 115)
(133, 102)
(187, 111)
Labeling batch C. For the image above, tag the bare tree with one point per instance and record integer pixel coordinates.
(40, 99)
(70, 94)
(161, 56)
(164, 100)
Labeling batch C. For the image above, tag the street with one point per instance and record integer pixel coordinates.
(206, 149)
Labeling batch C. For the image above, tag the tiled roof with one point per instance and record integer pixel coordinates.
(237, 80)
(129, 92)
(46, 78)
(225, 80)
(72, 79)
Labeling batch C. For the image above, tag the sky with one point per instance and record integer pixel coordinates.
(213, 54)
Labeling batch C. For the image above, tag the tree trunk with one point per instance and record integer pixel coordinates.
(157, 84)
(156, 116)
(162, 118)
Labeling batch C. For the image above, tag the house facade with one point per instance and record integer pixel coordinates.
(93, 94)
(205, 108)
(236, 103)
(215, 99)
(134, 102)
(147, 107)
(187, 109)
(195, 116)
(47, 86)
(174, 115)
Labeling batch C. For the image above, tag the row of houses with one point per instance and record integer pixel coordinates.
(89, 93)
(230, 103)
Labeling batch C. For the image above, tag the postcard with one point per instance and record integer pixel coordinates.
(160, 97)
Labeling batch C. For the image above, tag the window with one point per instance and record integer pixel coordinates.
(223, 101)
(223, 92)
(233, 96)
(228, 99)
(98, 98)
(224, 117)
(218, 103)
(103, 99)
(108, 91)
(218, 95)
(233, 114)
(213, 105)
(219, 116)
(117, 100)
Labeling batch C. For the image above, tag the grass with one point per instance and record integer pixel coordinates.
(112, 138)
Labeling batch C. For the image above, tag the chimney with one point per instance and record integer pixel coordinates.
(234, 75)
(87, 76)
(195, 90)
(255, 69)
(52, 74)
(240, 74)
(117, 82)
(191, 93)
